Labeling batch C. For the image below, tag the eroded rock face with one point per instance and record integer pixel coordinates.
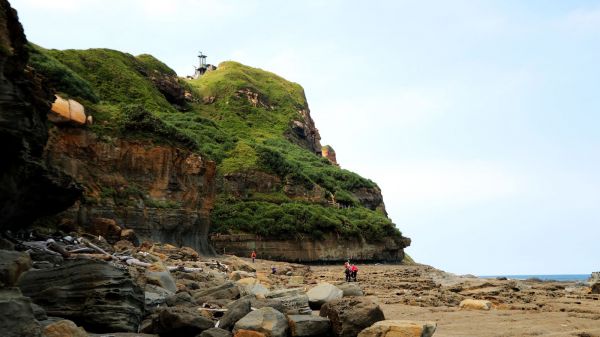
(12, 265)
(304, 132)
(330, 249)
(163, 193)
(29, 188)
(94, 294)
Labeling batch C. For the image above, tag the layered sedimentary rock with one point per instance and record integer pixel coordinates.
(162, 192)
(94, 294)
(308, 250)
(28, 187)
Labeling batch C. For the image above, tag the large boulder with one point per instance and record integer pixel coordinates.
(398, 328)
(237, 263)
(351, 315)
(248, 333)
(308, 325)
(16, 315)
(288, 301)
(350, 289)
(64, 328)
(12, 265)
(239, 274)
(322, 293)
(225, 291)
(471, 304)
(215, 332)
(155, 297)
(94, 294)
(595, 289)
(266, 320)
(234, 313)
(67, 111)
(180, 322)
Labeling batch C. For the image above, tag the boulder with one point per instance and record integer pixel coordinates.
(180, 322)
(308, 325)
(238, 264)
(471, 304)
(234, 313)
(257, 289)
(226, 291)
(239, 274)
(17, 317)
(64, 328)
(288, 301)
(351, 315)
(95, 294)
(248, 333)
(246, 281)
(182, 298)
(215, 332)
(155, 296)
(106, 228)
(399, 328)
(595, 289)
(162, 279)
(322, 293)
(12, 265)
(266, 320)
(350, 289)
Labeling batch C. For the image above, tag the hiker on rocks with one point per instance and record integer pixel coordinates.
(353, 272)
(273, 270)
(253, 256)
(347, 271)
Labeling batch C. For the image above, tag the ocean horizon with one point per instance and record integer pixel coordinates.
(544, 277)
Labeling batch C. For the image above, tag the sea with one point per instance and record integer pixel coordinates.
(558, 277)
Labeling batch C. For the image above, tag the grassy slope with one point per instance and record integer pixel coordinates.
(238, 136)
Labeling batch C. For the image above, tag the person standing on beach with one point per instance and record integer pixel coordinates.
(253, 256)
(347, 271)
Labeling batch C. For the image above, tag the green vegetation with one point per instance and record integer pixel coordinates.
(309, 220)
(241, 118)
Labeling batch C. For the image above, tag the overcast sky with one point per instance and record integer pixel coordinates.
(478, 119)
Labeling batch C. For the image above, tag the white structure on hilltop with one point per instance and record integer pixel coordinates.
(202, 67)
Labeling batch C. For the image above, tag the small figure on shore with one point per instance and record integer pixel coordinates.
(273, 270)
(353, 272)
(347, 271)
(253, 256)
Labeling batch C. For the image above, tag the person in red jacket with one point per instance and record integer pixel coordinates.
(354, 271)
(253, 256)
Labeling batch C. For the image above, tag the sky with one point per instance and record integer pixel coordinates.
(479, 120)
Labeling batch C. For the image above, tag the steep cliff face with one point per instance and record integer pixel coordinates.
(241, 156)
(162, 192)
(28, 187)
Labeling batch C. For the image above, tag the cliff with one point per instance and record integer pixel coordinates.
(29, 188)
(234, 152)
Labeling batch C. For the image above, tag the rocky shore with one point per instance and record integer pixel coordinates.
(94, 288)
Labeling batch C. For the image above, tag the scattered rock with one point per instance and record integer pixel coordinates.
(471, 304)
(237, 263)
(395, 328)
(155, 296)
(322, 293)
(266, 320)
(596, 288)
(17, 318)
(235, 312)
(239, 274)
(248, 333)
(180, 322)
(162, 279)
(182, 298)
(351, 315)
(215, 332)
(64, 328)
(350, 289)
(96, 294)
(308, 325)
(288, 301)
(12, 265)
(297, 280)
(227, 291)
